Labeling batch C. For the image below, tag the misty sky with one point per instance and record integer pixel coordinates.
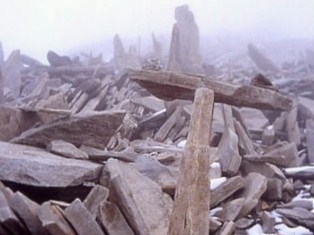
(35, 26)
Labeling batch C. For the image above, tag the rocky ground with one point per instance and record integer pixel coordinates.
(94, 147)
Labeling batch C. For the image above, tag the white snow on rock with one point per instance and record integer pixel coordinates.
(214, 183)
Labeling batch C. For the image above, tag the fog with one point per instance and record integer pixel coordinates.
(36, 26)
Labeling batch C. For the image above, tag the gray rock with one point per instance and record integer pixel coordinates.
(145, 206)
(11, 73)
(33, 166)
(66, 149)
(184, 53)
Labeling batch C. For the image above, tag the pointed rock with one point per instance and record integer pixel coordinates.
(260, 60)
(157, 172)
(11, 73)
(290, 153)
(1, 88)
(157, 48)
(228, 152)
(119, 54)
(93, 200)
(184, 53)
(53, 220)
(128, 186)
(56, 60)
(1, 55)
(310, 139)
(8, 219)
(27, 210)
(81, 220)
(255, 186)
(66, 149)
(113, 220)
(225, 190)
(230, 210)
(14, 121)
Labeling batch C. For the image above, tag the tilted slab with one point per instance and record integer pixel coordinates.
(170, 85)
(141, 200)
(93, 129)
(33, 166)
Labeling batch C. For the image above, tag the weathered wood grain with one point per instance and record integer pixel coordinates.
(192, 198)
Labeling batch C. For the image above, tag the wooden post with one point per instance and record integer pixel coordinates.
(191, 206)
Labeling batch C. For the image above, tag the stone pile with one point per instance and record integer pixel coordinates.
(94, 147)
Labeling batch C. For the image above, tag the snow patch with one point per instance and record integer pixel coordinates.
(294, 170)
(214, 183)
(256, 229)
(285, 230)
(182, 143)
(215, 165)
